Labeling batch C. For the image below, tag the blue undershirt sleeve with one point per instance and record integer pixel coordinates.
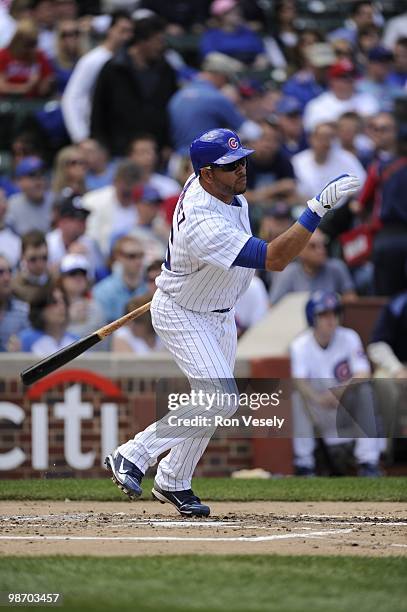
(252, 255)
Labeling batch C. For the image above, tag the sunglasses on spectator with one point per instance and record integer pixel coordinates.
(4, 271)
(69, 33)
(230, 167)
(381, 128)
(133, 255)
(75, 162)
(35, 258)
(35, 174)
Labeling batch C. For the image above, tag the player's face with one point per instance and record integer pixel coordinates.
(228, 180)
(326, 324)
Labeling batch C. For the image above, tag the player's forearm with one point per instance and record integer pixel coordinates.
(286, 247)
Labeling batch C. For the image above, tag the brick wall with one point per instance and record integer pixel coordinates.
(135, 410)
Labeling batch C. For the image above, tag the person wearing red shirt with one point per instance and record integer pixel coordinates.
(24, 70)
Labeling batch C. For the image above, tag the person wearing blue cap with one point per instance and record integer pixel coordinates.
(30, 209)
(289, 116)
(376, 81)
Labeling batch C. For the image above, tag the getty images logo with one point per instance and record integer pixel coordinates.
(72, 411)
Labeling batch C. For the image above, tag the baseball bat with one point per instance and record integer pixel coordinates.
(59, 358)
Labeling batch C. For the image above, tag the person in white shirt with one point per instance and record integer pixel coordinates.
(10, 242)
(138, 336)
(77, 97)
(314, 166)
(340, 98)
(323, 357)
(112, 208)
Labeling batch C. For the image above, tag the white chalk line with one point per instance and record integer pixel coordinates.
(286, 536)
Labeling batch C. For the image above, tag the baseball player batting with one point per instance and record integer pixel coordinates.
(211, 259)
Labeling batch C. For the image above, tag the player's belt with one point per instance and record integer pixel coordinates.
(223, 310)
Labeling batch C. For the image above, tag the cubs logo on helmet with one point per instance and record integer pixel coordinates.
(233, 143)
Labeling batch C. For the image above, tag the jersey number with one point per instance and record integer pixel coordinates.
(179, 218)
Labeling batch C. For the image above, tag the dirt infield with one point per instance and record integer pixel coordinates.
(149, 528)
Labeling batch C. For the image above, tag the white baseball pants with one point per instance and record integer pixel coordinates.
(204, 347)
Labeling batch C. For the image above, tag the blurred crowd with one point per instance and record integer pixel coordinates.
(99, 101)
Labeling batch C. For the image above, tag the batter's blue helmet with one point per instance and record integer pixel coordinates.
(216, 147)
(321, 301)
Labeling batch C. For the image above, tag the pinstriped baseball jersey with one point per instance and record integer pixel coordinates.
(206, 237)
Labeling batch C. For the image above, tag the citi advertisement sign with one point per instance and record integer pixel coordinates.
(72, 411)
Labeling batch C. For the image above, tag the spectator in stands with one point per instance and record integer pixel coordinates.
(152, 229)
(68, 236)
(85, 314)
(311, 79)
(24, 70)
(100, 169)
(24, 144)
(34, 277)
(69, 171)
(313, 271)
(231, 36)
(49, 320)
(376, 80)
(351, 137)
(31, 208)
(10, 241)
(388, 347)
(362, 15)
(152, 271)
(125, 281)
(340, 98)
(271, 174)
(76, 101)
(382, 131)
(181, 17)
(68, 52)
(328, 355)
(137, 336)
(44, 16)
(316, 166)
(143, 152)
(133, 89)
(395, 28)
(368, 38)
(390, 242)
(112, 207)
(13, 312)
(398, 76)
(285, 31)
(289, 118)
(200, 105)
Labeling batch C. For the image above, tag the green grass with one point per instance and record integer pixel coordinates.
(218, 489)
(212, 584)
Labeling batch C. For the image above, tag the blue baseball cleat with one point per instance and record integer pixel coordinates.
(185, 502)
(125, 474)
